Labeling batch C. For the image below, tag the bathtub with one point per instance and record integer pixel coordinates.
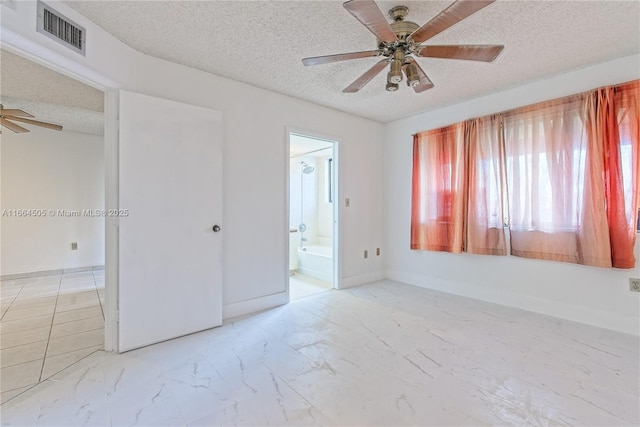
(316, 261)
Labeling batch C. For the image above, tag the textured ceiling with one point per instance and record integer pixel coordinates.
(21, 78)
(70, 118)
(262, 43)
(50, 96)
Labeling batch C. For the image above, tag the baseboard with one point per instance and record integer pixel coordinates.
(587, 315)
(361, 279)
(50, 272)
(254, 305)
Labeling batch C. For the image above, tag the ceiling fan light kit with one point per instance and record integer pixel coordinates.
(391, 87)
(413, 79)
(395, 73)
(399, 41)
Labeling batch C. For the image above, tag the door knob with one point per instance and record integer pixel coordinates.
(216, 228)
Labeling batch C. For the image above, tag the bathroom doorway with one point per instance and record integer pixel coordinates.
(312, 217)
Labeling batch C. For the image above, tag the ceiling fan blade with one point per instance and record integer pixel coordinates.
(12, 126)
(369, 15)
(486, 53)
(14, 112)
(455, 13)
(317, 60)
(425, 81)
(37, 123)
(361, 81)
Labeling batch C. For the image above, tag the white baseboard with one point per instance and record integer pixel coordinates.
(28, 274)
(361, 279)
(254, 305)
(587, 315)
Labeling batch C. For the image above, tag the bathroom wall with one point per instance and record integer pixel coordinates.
(309, 184)
(318, 212)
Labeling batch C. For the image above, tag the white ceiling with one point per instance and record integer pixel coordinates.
(50, 96)
(262, 43)
(70, 118)
(25, 79)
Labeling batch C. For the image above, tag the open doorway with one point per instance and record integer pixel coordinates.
(312, 222)
(52, 276)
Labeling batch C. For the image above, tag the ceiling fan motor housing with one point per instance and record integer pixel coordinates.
(402, 29)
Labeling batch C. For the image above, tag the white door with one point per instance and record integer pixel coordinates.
(170, 258)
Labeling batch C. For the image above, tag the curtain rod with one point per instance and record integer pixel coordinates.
(558, 99)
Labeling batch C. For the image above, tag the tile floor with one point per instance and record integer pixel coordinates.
(301, 286)
(380, 354)
(48, 323)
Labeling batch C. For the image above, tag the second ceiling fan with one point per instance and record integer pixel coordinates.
(400, 40)
(10, 115)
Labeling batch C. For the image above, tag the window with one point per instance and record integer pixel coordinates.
(565, 170)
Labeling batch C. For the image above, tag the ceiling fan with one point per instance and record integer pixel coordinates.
(399, 41)
(10, 115)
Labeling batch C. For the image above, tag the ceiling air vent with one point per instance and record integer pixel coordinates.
(56, 26)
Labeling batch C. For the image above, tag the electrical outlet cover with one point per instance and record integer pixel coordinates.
(634, 284)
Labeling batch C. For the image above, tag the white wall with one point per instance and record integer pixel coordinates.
(586, 294)
(255, 121)
(46, 169)
(255, 228)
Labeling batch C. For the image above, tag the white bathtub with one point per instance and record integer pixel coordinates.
(316, 261)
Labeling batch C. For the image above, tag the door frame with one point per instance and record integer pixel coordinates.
(16, 44)
(337, 234)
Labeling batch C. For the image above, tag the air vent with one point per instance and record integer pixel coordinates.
(57, 27)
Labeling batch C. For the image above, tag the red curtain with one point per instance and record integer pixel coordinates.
(438, 190)
(613, 121)
(457, 188)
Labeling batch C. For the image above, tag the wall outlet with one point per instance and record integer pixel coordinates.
(377, 251)
(347, 202)
(634, 284)
(366, 253)
(74, 246)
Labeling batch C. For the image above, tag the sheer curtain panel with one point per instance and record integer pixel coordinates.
(485, 212)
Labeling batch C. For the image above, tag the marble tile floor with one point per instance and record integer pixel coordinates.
(380, 354)
(48, 323)
(301, 286)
